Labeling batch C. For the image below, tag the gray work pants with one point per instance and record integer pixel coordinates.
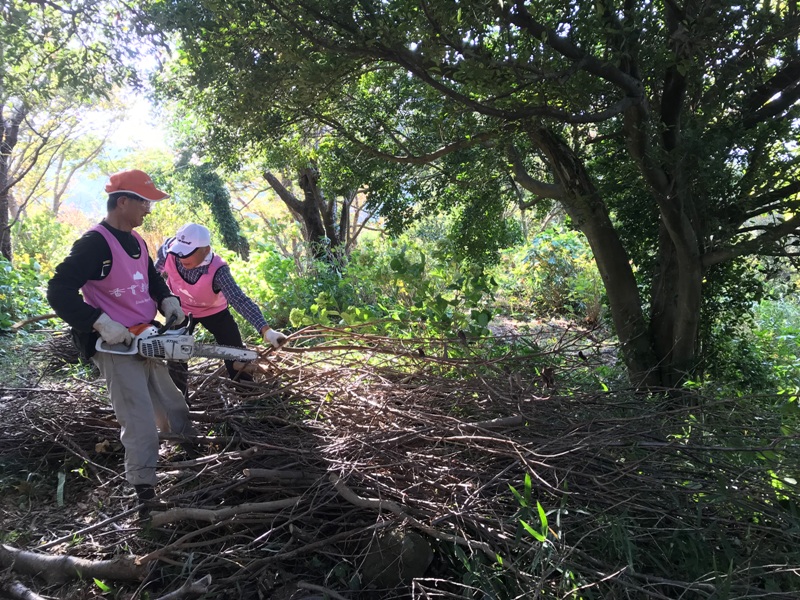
(145, 401)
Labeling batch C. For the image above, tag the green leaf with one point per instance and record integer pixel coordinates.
(101, 585)
(459, 552)
(542, 516)
(539, 537)
(518, 496)
(528, 487)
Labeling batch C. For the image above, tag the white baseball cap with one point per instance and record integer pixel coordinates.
(189, 238)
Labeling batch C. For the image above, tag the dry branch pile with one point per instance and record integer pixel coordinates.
(366, 467)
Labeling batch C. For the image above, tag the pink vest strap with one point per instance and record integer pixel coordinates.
(124, 295)
(198, 298)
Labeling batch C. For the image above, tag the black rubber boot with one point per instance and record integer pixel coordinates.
(148, 500)
(145, 492)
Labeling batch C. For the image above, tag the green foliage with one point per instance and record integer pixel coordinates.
(403, 294)
(269, 279)
(43, 240)
(21, 292)
(760, 352)
(205, 184)
(47, 49)
(400, 289)
(554, 274)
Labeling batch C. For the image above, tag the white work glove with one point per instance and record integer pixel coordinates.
(171, 306)
(111, 331)
(276, 338)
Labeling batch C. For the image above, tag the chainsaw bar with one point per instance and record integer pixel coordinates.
(174, 345)
(183, 347)
(224, 352)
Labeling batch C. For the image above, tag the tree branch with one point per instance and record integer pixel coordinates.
(289, 199)
(783, 102)
(523, 178)
(58, 569)
(422, 159)
(604, 70)
(754, 245)
(785, 78)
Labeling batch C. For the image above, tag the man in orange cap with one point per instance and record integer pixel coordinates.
(107, 284)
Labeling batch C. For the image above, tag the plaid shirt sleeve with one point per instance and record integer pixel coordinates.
(161, 255)
(223, 281)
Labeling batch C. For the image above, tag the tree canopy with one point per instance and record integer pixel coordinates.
(51, 51)
(667, 131)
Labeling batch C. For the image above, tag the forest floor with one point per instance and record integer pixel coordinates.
(358, 466)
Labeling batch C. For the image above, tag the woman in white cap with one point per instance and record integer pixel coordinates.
(204, 283)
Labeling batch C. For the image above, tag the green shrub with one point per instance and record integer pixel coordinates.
(759, 352)
(554, 274)
(22, 292)
(43, 239)
(400, 287)
(406, 287)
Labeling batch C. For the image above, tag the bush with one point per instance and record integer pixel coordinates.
(22, 292)
(554, 274)
(402, 288)
(43, 240)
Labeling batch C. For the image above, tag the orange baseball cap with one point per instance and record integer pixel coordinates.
(136, 182)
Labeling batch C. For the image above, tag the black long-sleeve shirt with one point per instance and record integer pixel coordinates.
(90, 259)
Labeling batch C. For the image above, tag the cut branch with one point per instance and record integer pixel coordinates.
(58, 569)
(174, 515)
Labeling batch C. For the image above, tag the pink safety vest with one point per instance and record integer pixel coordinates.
(124, 295)
(199, 298)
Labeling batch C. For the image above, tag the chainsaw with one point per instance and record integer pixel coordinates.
(173, 344)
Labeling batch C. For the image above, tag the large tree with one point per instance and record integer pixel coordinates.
(54, 147)
(666, 130)
(76, 50)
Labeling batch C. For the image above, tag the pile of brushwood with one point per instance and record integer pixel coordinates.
(358, 466)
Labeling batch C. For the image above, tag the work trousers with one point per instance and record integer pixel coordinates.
(145, 401)
(225, 331)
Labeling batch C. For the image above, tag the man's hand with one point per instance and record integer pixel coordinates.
(276, 338)
(171, 306)
(111, 331)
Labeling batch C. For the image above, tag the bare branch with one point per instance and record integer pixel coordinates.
(754, 245)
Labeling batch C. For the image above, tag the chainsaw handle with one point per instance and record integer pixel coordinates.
(170, 322)
(188, 328)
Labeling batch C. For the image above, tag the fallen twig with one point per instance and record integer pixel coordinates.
(174, 515)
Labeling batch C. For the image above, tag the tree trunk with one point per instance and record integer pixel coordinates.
(317, 213)
(590, 214)
(10, 135)
(316, 216)
(675, 310)
(5, 229)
